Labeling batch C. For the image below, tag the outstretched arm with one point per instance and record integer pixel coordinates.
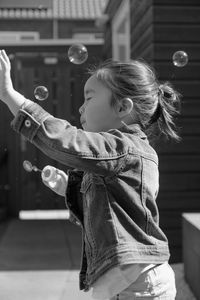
(98, 152)
(8, 94)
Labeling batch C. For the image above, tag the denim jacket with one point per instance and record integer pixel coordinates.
(119, 182)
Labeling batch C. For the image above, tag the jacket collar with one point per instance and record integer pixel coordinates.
(133, 129)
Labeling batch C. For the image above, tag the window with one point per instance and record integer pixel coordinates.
(121, 32)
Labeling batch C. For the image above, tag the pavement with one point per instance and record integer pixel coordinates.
(40, 259)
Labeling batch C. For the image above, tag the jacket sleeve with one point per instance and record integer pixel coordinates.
(100, 153)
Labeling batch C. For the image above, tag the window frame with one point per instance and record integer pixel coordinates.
(122, 14)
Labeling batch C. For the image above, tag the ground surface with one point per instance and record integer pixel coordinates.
(40, 260)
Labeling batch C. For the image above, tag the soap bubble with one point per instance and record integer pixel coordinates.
(27, 166)
(180, 58)
(77, 54)
(41, 93)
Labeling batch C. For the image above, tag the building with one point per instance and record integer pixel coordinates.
(37, 35)
(154, 30)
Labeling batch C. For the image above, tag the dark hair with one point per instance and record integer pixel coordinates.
(154, 103)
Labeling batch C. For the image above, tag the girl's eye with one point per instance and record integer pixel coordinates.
(88, 98)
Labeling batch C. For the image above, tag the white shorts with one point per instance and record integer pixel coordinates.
(157, 283)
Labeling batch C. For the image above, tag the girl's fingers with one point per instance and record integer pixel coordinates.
(3, 61)
(64, 176)
(5, 56)
(48, 185)
(62, 173)
(45, 182)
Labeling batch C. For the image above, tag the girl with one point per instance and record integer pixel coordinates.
(125, 253)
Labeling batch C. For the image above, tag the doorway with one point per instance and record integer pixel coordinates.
(64, 82)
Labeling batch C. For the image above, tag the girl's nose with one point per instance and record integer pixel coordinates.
(81, 109)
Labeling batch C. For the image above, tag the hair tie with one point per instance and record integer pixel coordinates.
(163, 93)
(160, 91)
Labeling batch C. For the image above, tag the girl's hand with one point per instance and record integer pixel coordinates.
(60, 185)
(6, 86)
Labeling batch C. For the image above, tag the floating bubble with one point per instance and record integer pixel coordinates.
(41, 93)
(77, 54)
(27, 166)
(180, 58)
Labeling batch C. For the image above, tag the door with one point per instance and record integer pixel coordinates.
(64, 82)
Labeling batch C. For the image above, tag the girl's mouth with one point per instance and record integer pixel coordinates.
(82, 122)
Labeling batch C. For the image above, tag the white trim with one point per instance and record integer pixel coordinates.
(53, 42)
(17, 36)
(119, 39)
(38, 214)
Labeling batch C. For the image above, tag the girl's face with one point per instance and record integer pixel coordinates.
(96, 112)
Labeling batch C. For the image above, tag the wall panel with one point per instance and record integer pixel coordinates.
(177, 27)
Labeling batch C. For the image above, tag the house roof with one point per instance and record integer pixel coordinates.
(48, 9)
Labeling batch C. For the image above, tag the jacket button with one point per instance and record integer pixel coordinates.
(28, 123)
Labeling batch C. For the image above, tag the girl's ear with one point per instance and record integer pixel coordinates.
(125, 107)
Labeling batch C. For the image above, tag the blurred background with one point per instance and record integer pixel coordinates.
(37, 35)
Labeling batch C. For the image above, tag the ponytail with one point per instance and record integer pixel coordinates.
(168, 108)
